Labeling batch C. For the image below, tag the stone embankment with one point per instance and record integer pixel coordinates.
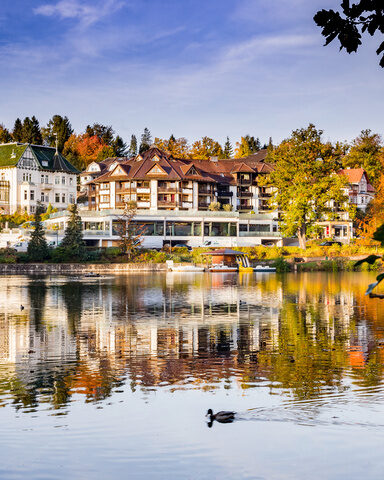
(78, 268)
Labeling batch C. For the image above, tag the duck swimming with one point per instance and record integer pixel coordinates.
(221, 417)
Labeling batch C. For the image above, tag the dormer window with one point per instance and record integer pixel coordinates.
(156, 158)
(139, 158)
(44, 163)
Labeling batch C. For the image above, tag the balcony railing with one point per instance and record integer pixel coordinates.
(167, 189)
(259, 234)
(224, 193)
(164, 203)
(143, 190)
(245, 194)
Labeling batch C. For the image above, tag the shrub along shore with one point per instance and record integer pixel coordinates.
(314, 258)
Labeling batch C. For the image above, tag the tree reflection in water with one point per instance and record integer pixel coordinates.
(300, 334)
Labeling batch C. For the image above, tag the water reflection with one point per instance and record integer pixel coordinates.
(301, 335)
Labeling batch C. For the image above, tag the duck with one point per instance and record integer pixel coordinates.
(21, 307)
(221, 417)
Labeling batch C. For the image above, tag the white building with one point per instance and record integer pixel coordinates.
(34, 173)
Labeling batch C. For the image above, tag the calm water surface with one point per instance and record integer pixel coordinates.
(111, 377)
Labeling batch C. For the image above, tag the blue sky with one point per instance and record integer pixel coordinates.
(187, 67)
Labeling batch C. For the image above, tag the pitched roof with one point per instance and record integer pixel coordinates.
(220, 171)
(10, 154)
(47, 158)
(354, 175)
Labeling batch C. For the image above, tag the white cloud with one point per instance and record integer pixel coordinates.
(86, 13)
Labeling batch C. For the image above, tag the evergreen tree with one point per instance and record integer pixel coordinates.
(27, 135)
(73, 242)
(119, 147)
(58, 127)
(37, 138)
(228, 150)
(37, 246)
(133, 146)
(104, 132)
(17, 132)
(146, 141)
(5, 136)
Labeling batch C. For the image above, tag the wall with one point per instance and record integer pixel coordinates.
(79, 268)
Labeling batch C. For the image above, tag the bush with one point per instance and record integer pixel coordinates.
(282, 265)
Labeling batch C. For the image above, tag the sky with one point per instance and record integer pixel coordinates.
(185, 67)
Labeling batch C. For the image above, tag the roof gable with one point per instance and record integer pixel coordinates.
(118, 171)
(157, 170)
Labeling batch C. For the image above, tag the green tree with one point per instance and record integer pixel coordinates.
(37, 247)
(228, 150)
(31, 131)
(5, 136)
(133, 146)
(306, 187)
(17, 132)
(104, 132)
(119, 147)
(58, 127)
(146, 141)
(366, 152)
(356, 19)
(73, 243)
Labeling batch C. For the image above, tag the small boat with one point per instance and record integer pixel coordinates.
(263, 268)
(221, 268)
(186, 268)
(92, 275)
(183, 268)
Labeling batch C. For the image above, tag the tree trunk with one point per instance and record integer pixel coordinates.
(302, 237)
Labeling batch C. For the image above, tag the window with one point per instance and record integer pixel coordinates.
(42, 178)
(70, 181)
(63, 180)
(63, 197)
(71, 198)
(57, 180)
(57, 197)
(27, 177)
(32, 195)
(42, 197)
(25, 195)
(259, 227)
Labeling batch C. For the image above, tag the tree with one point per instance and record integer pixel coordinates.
(119, 147)
(361, 17)
(228, 150)
(104, 132)
(133, 146)
(73, 243)
(58, 128)
(177, 147)
(17, 132)
(131, 235)
(5, 136)
(305, 183)
(367, 152)
(146, 141)
(31, 131)
(37, 247)
(81, 150)
(206, 148)
(247, 146)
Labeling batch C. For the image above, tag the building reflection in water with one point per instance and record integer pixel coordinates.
(297, 334)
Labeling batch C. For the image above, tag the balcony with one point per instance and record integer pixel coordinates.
(46, 186)
(245, 194)
(224, 193)
(167, 189)
(259, 234)
(143, 190)
(244, 182)
(126, 190)
(143, 204)
(187, 190)
(164, 203)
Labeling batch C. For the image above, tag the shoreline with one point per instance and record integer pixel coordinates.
(304, 264)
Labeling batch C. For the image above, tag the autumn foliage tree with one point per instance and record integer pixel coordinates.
(177, 147)
(206, 148)
(305, 183)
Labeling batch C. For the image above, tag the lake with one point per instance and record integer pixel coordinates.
(111, 377)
